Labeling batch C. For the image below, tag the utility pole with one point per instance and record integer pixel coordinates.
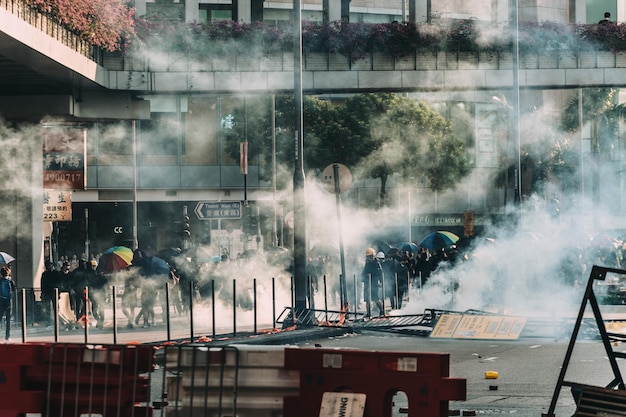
(299, 212)
(517, 198)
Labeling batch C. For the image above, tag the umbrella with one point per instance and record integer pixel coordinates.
(408, 247)
(170, 254)
(114, 259)
(5, 258)
(159, 266)
(439, 240)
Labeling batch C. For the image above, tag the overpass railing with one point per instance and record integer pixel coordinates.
(373, 61)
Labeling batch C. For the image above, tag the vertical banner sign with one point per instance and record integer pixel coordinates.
(468, 223)
(243, 157)
(57, 206)
(64, 150)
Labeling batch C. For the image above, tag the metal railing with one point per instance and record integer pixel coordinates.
(229, 309)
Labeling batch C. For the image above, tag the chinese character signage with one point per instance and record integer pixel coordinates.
(57, 206)
(64, 158)
(218, 210)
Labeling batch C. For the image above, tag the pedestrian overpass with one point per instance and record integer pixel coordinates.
(47, 72)
(324, 73)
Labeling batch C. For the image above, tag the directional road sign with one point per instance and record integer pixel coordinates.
(211, 210)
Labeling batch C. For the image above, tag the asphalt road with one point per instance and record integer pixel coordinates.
(528, 369)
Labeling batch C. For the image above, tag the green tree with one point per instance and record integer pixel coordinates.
(377, 135)
(550, 158)
(600, 110)
(252, 121)
(390, 134)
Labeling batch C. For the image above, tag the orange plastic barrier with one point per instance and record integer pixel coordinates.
(18, 396)
(73, 379)
(423, 377)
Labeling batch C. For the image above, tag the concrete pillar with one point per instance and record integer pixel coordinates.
(345, 11)
(419, 11)
(192, 11)
(21, 207)
(331, 11)
(244, 11)
(256, 11)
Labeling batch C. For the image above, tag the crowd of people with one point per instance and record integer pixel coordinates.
(69, 281)
(389, 276)
(80, 292)
(375, 284)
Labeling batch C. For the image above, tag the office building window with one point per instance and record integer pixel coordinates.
(213, 12)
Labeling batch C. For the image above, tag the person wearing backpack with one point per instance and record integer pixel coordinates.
(7, 290)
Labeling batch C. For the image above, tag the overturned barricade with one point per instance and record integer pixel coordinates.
(294, 382)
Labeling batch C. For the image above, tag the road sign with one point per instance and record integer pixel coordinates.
(211, 210)
(344, 174)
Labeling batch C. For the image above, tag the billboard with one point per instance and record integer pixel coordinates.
(64, 151)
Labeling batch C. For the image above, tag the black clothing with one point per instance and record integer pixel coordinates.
(372, 277)
(50, 279)
(6, 306)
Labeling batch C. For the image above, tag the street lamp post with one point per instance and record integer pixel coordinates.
(299, 234)
(516, 104)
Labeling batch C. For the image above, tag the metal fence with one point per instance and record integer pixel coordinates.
(235, 308)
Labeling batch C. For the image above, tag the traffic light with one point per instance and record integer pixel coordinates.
(250, 221)
(186, 231)
(246, 220)
(555, 206)
(185, 228)
(254, 224)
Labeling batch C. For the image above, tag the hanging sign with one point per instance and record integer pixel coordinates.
(64, 158)
(57, 206)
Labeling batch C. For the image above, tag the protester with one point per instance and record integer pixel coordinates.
(371, 277)
(67, 299)
(7, 293)
(389, 278)
(312, 277)
(98, 286)
(78, 282)
(129, 298)
(141, 267)
(49, 281)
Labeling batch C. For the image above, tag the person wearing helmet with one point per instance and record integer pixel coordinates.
(389, 282)
(372, 277)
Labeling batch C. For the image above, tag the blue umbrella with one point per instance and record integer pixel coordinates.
(408, 247)
(159, 266)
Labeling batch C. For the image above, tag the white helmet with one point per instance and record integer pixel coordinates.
(380, 255)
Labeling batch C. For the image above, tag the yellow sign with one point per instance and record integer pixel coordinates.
(618, 327)
(446, 325)
(461, 326)
(57, 206)
(342, 404)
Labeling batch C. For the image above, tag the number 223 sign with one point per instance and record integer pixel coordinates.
(57, 206)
